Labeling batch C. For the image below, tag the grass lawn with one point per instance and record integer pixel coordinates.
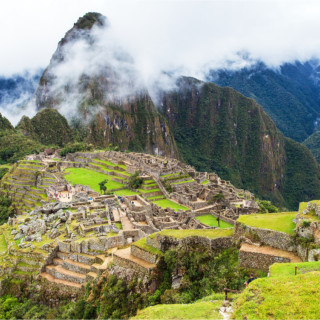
(274, 221)
(90, 178)
(284, 297)
(126, 192)
(303, 205)
(210, 233)
(211, 221)
(197, 310)
(288, 269)
(164, 203)
(205, 182)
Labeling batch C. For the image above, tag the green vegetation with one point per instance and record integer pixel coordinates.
(207, 129)
(3, 244)
(212, 221)
(286, 297)
(126, 192)
(267, 207)
(275, 221)
(48, 127)
(289, 95)
(135, 181)
(197, 310)
(205, 182)
(142, 245)
(288, 269)
(75, 147)
(209, 233)
(6, 209)
(165, 203)
(185, 181)
(102, 185)
(90, 178)
(14, 146)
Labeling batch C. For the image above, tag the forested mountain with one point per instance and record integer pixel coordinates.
(290, 95)
(218, 129)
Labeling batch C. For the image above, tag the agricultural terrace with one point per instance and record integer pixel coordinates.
(212, 221)
(282, 222)
(285, 297)
(90, 178)
(288, 269)
(209, 233)
(164, 203)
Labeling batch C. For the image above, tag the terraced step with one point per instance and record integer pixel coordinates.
(92, 276)
(78, 257)
(59, 272)
(124, 258)
(76, 266)
(50, 278)
(102, 267)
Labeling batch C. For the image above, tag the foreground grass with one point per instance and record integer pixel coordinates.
(210, 233)
(211, 221)
(90, 178)
(288, 269)
(197, 310)
(281, 298)
(275, 221)
(165, 203)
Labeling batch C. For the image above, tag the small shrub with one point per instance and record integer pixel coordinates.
(135, 181)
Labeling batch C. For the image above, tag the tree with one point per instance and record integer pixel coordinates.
(102, 185)
(135, 181)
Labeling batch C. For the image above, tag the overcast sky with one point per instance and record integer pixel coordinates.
(165, 34)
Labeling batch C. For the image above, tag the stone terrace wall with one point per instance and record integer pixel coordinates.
(256, 260)
(164, 243)
(275, 239)
(144, 255)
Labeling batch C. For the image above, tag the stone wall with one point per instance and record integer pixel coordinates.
(164, 243)
(144, 255)
(275, 239)
(256, 260)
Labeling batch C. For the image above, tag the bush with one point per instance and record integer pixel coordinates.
(135, 181)
(75, 147)
(267, 207)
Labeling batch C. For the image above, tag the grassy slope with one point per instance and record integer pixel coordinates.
(211, 221)
(198, 310)
(164, 203)
(90, 178)
(284, 297)
(210, 233)
(288, 269)
(274, 221)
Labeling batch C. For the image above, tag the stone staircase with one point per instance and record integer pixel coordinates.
(75, 269)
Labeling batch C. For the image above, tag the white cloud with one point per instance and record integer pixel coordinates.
(187, 37)
(165, 34)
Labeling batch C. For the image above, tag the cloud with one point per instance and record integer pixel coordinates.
(146, 39)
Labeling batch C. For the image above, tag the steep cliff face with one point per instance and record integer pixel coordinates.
(218, 129)
(108, 97)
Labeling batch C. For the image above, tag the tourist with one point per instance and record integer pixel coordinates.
(250, 279)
